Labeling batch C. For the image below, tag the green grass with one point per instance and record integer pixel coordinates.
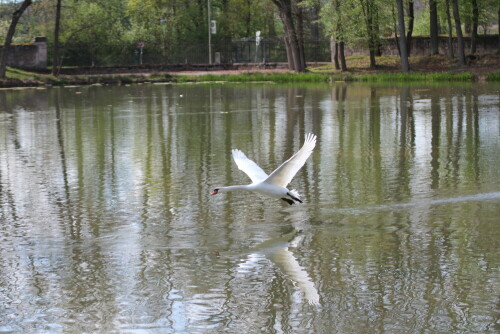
(19, 77)
(30, 77)
(14, 73)
(322, 76)
(412, 77)
(255, 77)
(495, 76)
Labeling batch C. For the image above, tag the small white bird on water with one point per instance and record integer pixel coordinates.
(273, 185)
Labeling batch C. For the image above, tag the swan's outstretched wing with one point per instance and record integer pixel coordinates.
(285, 173)
(253, 171)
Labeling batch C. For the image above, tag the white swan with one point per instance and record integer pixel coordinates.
(273, 185)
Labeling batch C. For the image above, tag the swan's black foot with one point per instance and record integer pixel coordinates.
(289, 201)
(294, 198)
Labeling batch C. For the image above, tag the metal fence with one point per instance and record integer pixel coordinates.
(225, 52)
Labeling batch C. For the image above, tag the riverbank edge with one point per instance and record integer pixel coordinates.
(249, 77)
(318, 73)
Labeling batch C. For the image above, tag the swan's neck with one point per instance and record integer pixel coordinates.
(233, 188)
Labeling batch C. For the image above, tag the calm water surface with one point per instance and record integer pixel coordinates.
(107, 225)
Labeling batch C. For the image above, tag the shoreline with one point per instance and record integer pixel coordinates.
(485, 68)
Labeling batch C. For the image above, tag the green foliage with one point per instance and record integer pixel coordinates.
(421, 25)
(242, 18)
(493, 76)
(25, 78)
(23, 30)
(100, 24)
(352, 21)
(320, 76)
(106, 32)
(410, 77)
(14, 73)
(4, 26)
(256, 77)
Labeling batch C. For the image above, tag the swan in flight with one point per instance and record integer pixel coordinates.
(274, 184)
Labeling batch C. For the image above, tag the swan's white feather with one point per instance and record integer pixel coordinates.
(284, 174)
(254, 172)
(275, 184)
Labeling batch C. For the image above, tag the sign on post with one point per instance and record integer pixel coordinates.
(213, 27)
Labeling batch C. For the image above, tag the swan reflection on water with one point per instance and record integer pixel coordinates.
(277, 251)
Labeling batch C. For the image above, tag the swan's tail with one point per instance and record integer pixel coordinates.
(294, 195)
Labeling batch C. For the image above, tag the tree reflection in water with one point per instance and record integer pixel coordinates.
(106, 223)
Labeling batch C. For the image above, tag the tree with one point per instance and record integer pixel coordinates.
(242, 18)
(343, 65)
(411, 20)
(370, 12)
(433, 18)
(293, 36)
(55, 54)
(458, 27)
(450, 30)
(332, 19)
(405, 65)
(475, 24)
(339, 32)
(395, 26)
(96, 32)
(10, 34)
(334, 52)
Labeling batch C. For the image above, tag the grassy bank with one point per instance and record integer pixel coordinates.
(413, 77)
(424, 69)
(436, 68)
(281, 77)
(323, 77)
(20, 78)
(493, 76)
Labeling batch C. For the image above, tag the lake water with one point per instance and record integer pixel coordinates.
(107, 223)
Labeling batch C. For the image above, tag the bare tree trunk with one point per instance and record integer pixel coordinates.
(334, 50)
(498, 51)
(450, 30)
(10, 34)
(337, 56)
(475, 24)
(411, 20)
(55, 55)
(378, 44)
(405, 65)
(299, 15)
(434, 27)
(370, 31)
(343, 65)
(294, 44)
(339, 36)
(289, 54)
(395, 26)
(292, 40)
(458, 27)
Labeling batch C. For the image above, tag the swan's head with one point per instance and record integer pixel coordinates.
(215, 192)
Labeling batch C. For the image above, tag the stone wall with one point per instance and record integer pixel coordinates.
(28, 55)
(421, 46)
